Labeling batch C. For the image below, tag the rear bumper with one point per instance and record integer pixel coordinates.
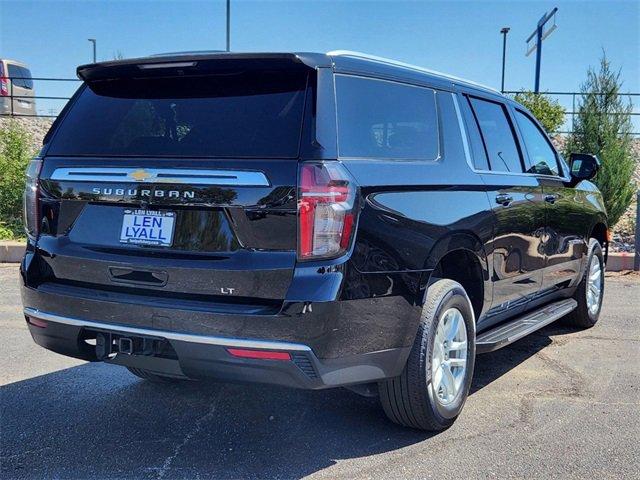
(341, 327)
(206, 356)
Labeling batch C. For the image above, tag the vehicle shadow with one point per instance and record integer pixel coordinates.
(98, 421)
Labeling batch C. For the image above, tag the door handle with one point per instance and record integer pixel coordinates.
(504, 199)
(550, 198)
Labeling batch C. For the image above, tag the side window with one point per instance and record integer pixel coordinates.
(497, 133)
(383, 119)
(480, 161)
(541, 156)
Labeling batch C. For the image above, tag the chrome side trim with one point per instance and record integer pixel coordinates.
(169, 335)
(242, 178)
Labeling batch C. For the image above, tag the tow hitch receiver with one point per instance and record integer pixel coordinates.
(125, 345)
(108, 344)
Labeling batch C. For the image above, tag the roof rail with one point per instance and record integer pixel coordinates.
(366, 56)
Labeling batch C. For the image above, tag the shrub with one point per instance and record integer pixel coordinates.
(548, 111)
(15, 153)
(603, 127)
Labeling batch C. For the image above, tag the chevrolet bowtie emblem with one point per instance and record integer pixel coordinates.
(140, 175)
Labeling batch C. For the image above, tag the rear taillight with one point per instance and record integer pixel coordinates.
(31, 198)
(4, 82)
(326, 210)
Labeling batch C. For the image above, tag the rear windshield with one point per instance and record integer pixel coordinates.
(239, 114)
(20, 76)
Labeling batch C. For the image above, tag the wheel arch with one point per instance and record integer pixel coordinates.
(462, 257)
(600, 232)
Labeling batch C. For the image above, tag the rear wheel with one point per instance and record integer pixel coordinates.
(154, 377)
(590, 291)
(433, 387)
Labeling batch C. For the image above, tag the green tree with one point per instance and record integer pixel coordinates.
(15, 153)
(603, 127)
(548, 111)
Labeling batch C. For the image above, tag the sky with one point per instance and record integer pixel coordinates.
(461, 38)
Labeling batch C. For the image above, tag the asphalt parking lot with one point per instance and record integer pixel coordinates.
(560, 403)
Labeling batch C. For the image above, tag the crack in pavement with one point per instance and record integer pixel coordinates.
(575, 387)
(166, 466)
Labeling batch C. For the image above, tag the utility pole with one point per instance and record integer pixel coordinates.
(504, 32)
(93, 40)
(228, 25)
(540, 33)
(636, 260)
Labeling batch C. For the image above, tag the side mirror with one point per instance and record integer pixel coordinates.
(583, 166)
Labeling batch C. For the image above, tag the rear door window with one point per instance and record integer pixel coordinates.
(498, 135)
(243, 114)
(383, 119)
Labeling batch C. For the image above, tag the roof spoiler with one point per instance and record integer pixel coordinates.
(190, 64)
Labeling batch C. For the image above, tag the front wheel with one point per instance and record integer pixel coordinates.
(590, 290)
(431, 390)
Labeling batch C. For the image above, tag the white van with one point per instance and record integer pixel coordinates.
(16, 89)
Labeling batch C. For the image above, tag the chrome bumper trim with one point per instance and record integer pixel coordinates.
(169, 335)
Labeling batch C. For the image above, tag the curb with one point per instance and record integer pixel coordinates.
(619, 261)
(11, 251)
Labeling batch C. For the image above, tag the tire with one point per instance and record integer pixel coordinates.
(584, 316)
(411, 399)
(154, 377)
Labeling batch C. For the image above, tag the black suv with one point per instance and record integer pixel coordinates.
(309, 220)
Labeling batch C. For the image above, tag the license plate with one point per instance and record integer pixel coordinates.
(146, 227)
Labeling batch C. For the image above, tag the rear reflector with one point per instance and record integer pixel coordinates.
(259, 354)
(36, 322)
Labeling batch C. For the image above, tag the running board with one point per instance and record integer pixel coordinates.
(514, 330)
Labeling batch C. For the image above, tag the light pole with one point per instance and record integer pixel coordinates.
(504, 32)
(93, 40)
(228, 25)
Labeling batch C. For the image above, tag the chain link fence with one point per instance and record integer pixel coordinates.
(60, 90)
(570, 102)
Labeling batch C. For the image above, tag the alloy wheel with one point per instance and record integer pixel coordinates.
(594, 285)
(449, 358)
